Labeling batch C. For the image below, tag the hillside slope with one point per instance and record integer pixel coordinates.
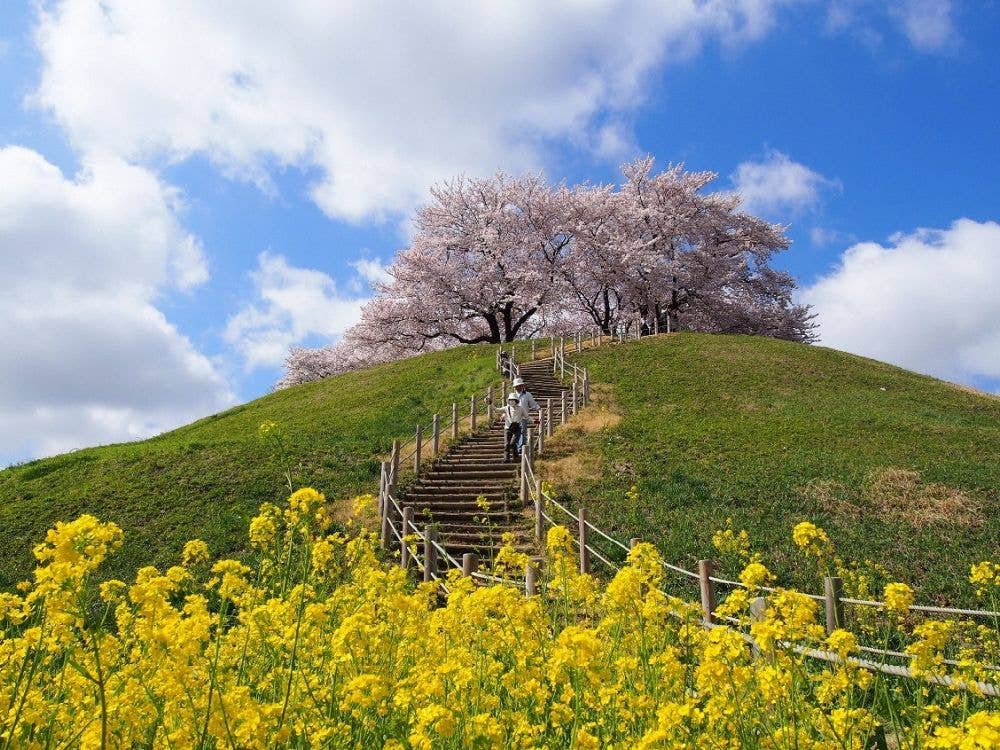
(900, 468)
(207, 479)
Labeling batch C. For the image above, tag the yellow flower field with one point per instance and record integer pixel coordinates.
(320, 643)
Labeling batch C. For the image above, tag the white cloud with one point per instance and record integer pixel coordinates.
(928, 25)
(293, 304)
(87, 356)
(928, 301)
(776, 184)
(371, 270)
(381, 101)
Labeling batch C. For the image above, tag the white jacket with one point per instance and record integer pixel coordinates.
(528, 401)
(514, 414)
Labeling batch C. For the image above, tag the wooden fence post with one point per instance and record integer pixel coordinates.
(470, 563)
(574, 397)
(600, 337)
(382, 481)
(533, 355)
(436, 434)
(707, 586)
(758, 608)
(530, 583)
(586, 388)
(394, 463)
(833, 592)
(562, 408)
(405, 531)
(584, 552)
(541, 430)
(489, 405)
(548, 417)
(528, 450)
(418, 442)
(656, 324)
(539, 503)
(430, 555)
(523, 484)
(562, 356)
(472, 413)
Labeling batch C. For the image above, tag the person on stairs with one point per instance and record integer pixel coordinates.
(514, 416)
(527, 401)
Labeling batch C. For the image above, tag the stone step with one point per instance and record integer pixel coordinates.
(444, 494)
(464, 516)
(465, 505)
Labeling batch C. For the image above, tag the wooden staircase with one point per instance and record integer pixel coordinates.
(444, 497)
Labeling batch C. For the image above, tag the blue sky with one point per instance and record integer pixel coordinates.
(186, 191)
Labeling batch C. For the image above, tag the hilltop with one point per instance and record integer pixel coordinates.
(900, 468)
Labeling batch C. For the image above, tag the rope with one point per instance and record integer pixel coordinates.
(560, 507)
(602, 558)
(682, 571)
(768, 589)
(609, 538)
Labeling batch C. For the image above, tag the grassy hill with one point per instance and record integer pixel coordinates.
(899, 468)
(207, 479)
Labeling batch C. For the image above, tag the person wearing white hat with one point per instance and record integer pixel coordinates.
(527, 401)
(514, 415)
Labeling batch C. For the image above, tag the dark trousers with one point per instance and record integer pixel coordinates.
(512, 446)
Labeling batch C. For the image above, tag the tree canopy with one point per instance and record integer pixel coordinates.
(501, 258)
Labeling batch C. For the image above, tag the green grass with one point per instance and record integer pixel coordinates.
(727, 426)
(207, 479)
(712, 427)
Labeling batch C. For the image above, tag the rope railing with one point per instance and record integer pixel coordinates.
(435, 553)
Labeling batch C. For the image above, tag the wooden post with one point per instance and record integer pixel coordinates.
(489, 405)
(470, 563)
(523, 485)
(668, 323)
(390, 490)
(562, 407)
(600, 337)
(430, 555)
(707, 586)
(472, 413)
(656, 324)
(407, 529)
(539, 504)
(418, 442)
(394, 472)
(532, 350)
(833, 592)
(382, 482)
(436, 434)
(574, 397)
(385, 535)
(584, 552)
(586, 388)
(454, 420)
(758, 607)
(541, 430)
(530, 582)
(548, 417)
(529, 451)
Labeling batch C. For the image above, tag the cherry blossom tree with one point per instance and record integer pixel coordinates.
(501, 258)
(484, 263)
